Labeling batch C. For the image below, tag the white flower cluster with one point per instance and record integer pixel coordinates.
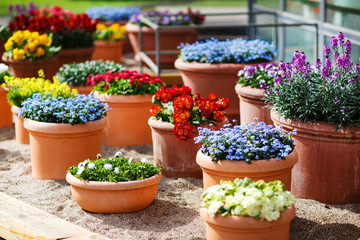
(3, 68)
(248, 198)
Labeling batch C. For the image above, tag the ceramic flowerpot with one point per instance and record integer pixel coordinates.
(251, 105)
(72, 55)
(238, 227)
(28, 69)
(206, 78)
(176, 157)
(82, 89)
(170, 39)
(127, 48)
(113, 197)
(21, 133)
(111, 51)
(267, 170)
(5, 110)
(127, 119)
(55, 147)
(328, 169)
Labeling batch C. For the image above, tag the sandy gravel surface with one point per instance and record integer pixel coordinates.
(173, 214)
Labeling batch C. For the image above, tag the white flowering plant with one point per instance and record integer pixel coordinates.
(244, 197)
(115, 169)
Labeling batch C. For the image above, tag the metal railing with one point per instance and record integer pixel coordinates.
(155, 66)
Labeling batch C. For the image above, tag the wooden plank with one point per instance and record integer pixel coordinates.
(19, 220)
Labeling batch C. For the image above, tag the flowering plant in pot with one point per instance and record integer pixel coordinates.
(202, 64)
(323, 103)
(118, 181)
(175, 118)
(27, 52)
(20, 89)
(73, 32)
(5, 109)
(76, 74)
(109, 42)
(169, 38)
(255, 150)
(253, 80)
(128, 94)
(112, 14)
(4, 35)
(244, 209)
(63, 132)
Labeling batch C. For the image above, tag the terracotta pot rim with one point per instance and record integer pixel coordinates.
(26, 61)
(111, 22)
(316, 127)
(232, 221)
(99, 43)
(133, 28)
(123, 98)
(224, 68)
(235, 166)
(60, 128)
(249, 92)
(168, 127)
(113, 185)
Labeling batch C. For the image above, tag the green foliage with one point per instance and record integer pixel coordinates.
(3, 75)
(116, 169)
(73, 39)
(4, 32)
(77, 74)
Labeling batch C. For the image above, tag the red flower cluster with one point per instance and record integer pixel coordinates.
(133, 76)
(207, 110)
(53, 20)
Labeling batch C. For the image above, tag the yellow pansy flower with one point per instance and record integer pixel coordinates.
(100, 27)
(40, 51)
(18, 54)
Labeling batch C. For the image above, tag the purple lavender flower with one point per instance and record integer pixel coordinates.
(327, 63)
(342, 110)
(31, 6)
(325, 72)
(336, 101)
(318, 63)
(341, 38)
(327, 51)
(336, 74)
(348, 48)
(10, 7)
(334, 42)
(17, 8)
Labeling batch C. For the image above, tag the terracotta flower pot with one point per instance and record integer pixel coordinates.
(175, 157)
(82, 89)
(206, 78)
(111, 51)
(127, 120)
(111, 197)
(170, 39)
(251, 105)
(21, 133)
(238, 227)
(328, 169)
(27, 68)
(68, 56)
(127, 48)
(267, 170)
(57, 146)
(5, 110)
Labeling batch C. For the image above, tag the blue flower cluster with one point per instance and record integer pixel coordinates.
(164, 18)
(229, 51)
(74, 110)
(108, 13)
(248, 142)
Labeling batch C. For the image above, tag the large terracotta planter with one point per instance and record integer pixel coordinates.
(111, 51)
(170, 39)
(127, 48)
(206, 78)
(238, 227)
(267, 170)
(57, 146)
(82, 89)
(5, 110)
(251, 105)
(21, 133)
(111, 197)
(127, 120)
(177, 158)
(73, 55)
(328, 169)
(28, 69)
